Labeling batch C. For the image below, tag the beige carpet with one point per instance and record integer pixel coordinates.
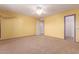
(38, 45)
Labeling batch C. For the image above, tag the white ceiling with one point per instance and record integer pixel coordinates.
(30, 9)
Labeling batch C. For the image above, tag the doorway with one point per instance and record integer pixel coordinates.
(40, 27)
(70, 27)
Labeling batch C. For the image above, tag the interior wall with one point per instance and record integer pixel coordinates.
(54, 24)
(18, 26)
(77, 27)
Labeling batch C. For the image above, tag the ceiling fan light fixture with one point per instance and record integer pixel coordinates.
(39, 10)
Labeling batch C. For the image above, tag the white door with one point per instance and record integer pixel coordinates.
(39, 27)
(69, 27)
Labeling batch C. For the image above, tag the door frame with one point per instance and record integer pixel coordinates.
(43, 27)
(38, 28)
(74, 26)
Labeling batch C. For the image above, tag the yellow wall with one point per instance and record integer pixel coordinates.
(18, 26)
(77, 31)
(54, 25)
